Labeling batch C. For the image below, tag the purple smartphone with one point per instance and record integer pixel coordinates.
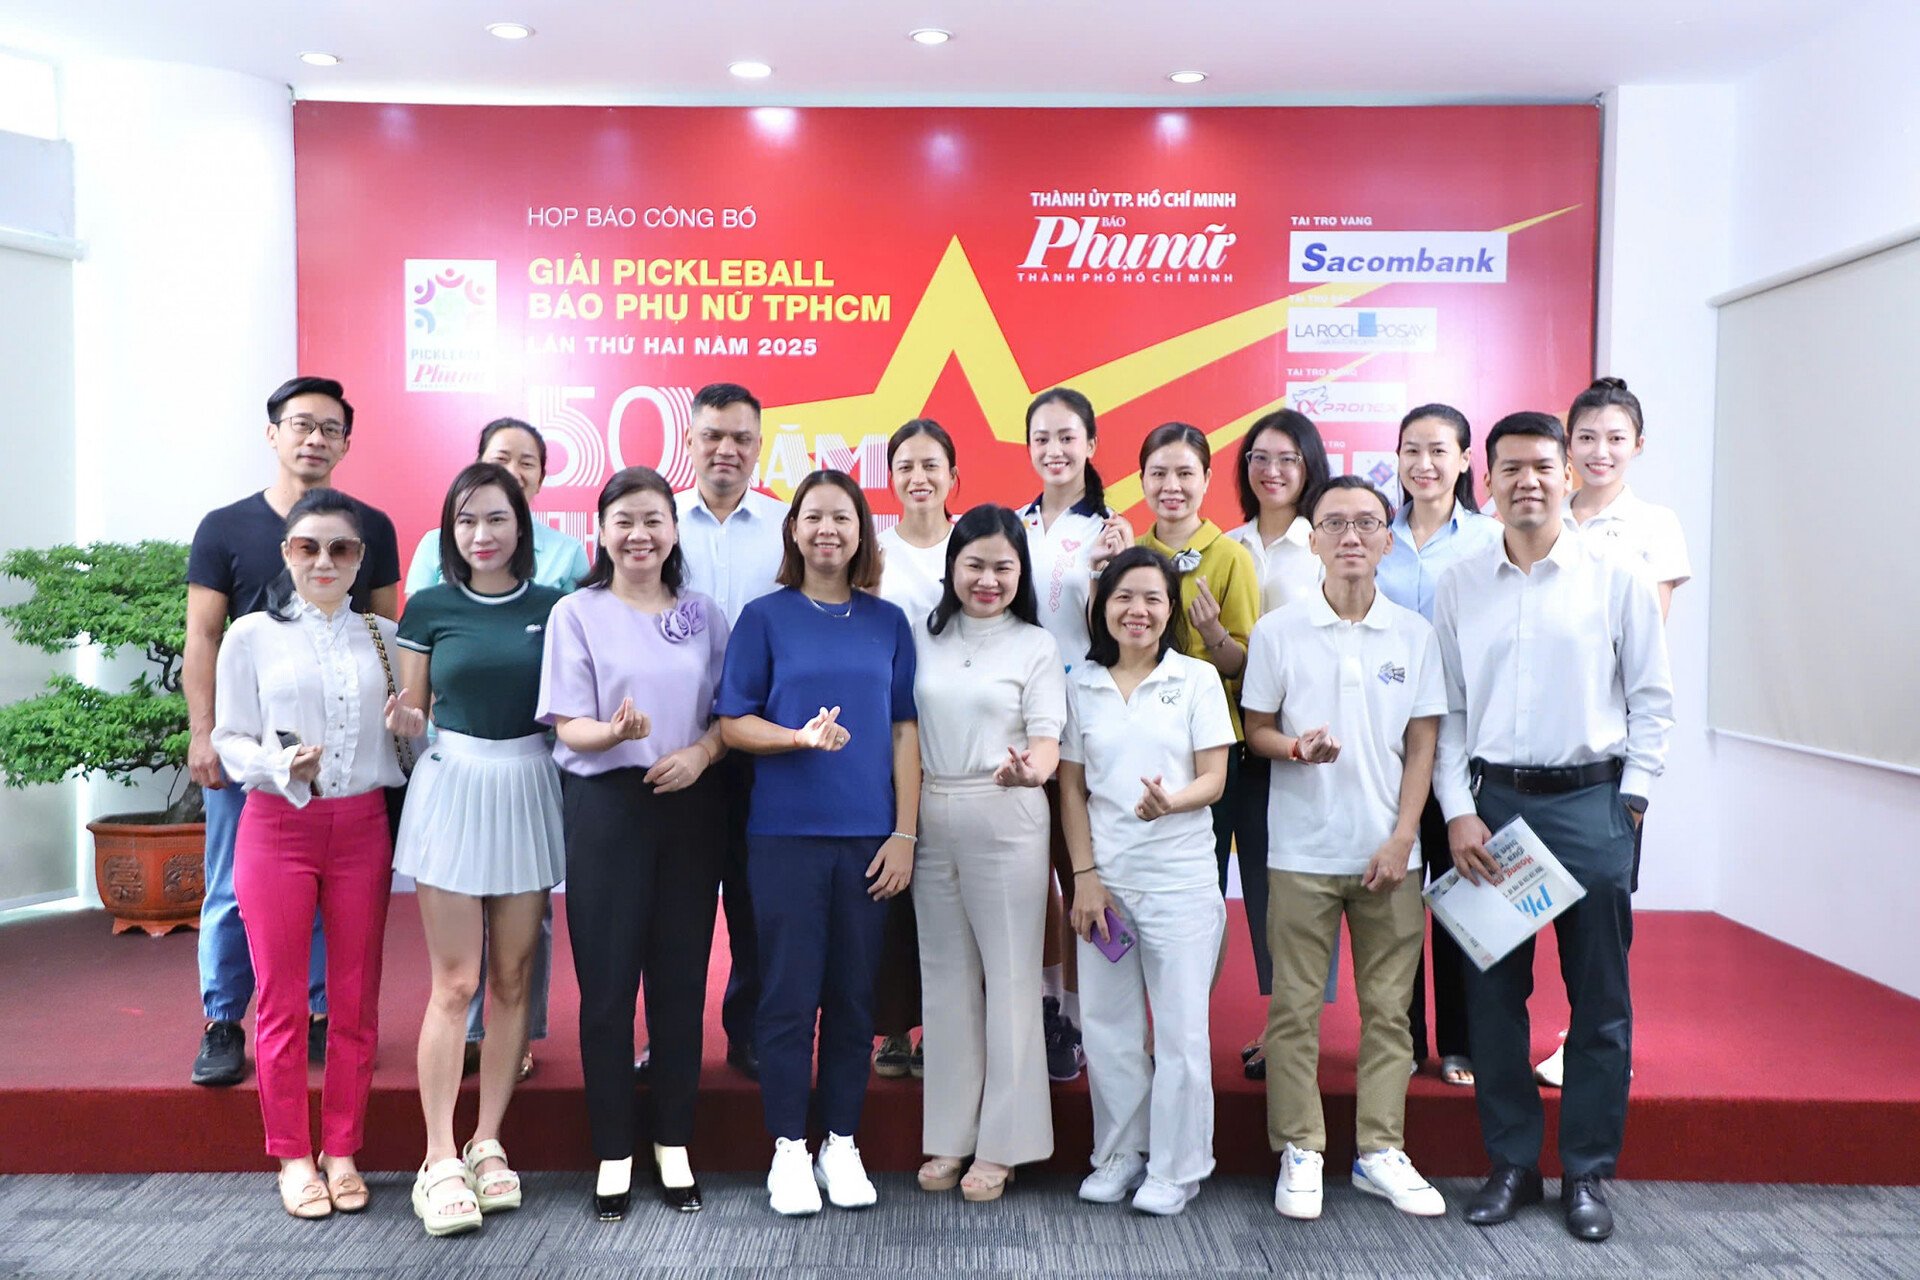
(1120, 938)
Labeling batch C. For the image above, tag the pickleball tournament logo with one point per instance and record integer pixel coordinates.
(452, 321)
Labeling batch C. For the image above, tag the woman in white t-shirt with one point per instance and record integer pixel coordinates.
(1143, 756)
(922, 466)
(1071, 533)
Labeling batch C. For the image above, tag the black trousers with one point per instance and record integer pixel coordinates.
(1591, 834)
(642, 870)
(1240, 821)
(896, 989)
(1449, 962)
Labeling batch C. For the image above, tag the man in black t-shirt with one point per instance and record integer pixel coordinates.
(236, 555)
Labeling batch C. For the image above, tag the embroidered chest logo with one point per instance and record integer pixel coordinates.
(1392, 674)
(1171, 695)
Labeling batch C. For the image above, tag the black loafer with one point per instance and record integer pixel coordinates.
(222, 1059)
(611, 1208)
(1506, 1190)
(1585, 1204)
(743, 1059)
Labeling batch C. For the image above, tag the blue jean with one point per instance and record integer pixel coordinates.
(226, 970)
(820, 937)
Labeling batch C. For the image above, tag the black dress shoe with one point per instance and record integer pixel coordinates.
(223, 1055)
(743, 1059)
(682, 1199)
(1585, 1204)
(317, 1039)
(1506, 1190)
(611, 1208)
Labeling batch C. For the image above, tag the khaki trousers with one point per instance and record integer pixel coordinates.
(980, 877)
(1303, 923)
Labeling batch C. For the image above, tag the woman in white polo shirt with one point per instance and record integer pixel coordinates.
(1071, 533)
(1143, 756)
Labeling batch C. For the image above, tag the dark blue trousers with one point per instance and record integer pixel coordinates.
(1590, 832)
(820, 938)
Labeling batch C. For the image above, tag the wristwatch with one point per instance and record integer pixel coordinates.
(1636, 803)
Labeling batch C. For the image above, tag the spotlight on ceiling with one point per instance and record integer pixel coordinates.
(509, 30)
(750, 70)
(929, 35)
(1187, 77)
(314, 58)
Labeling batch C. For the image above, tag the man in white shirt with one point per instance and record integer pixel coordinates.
(730, 536)
(1344, 692)
(1559, 702)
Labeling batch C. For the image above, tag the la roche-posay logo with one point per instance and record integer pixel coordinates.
(1362, 329)
(452, 320)
(1342, 401)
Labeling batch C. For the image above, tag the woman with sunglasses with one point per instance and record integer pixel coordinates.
(300, 703)
(481, 833)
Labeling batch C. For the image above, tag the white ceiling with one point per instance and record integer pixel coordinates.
(856, 51)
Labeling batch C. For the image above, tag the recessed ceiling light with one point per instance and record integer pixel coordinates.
(750, 70)
(1187, 77)
(929, 35)
(314, 58)
(509, 30)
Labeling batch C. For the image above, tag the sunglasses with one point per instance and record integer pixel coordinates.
(342, 551)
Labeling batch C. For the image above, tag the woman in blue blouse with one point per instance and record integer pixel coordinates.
(818, 682)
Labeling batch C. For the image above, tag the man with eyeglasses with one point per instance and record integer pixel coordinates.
(235, 556)
(1559, 703)
(1344, 693)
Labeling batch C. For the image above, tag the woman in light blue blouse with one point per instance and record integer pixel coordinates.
(1438, 524)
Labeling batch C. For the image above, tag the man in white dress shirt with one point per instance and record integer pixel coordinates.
(1559, 704)
(730, 536)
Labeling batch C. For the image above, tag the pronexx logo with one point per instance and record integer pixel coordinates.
(1342, 401)
(1471, 257)
(1350, 329)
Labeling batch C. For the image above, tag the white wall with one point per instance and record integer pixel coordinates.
(1820, 853)
(1665, 192)
(184, 310)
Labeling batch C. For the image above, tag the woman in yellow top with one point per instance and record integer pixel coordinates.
(1220, 595)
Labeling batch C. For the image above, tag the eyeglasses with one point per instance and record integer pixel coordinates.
(1259, 460)
(1336, 526)
(342, 551)
(301, 425)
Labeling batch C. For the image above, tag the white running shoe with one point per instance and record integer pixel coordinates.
(840, 1171)
(1391, 1176)
(1163, 1199)
(790, 1182)
(1296, 1192)
(1552, 1070)
(1113, 1181)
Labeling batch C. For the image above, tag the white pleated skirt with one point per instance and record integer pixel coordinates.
(483, 817)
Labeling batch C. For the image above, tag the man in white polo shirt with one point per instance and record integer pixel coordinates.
(1344, 692)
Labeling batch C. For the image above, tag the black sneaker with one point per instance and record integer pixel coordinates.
(917, 1064)
(1065, 1058)
(317, 1039)
(894, 1058)
(223, 1055)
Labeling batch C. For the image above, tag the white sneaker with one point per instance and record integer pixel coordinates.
(1296, 1192)
(841, 1172)
(1552, 1070)
(1163, 1199)
(790, 1182)
(1390, 1175)
(1112, 1181)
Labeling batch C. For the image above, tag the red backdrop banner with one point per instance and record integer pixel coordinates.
(589, 268)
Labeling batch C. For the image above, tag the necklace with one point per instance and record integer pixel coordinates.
(847, 613)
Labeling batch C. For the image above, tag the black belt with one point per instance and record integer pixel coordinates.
(1546, 782)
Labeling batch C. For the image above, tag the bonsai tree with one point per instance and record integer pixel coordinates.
(116, 596)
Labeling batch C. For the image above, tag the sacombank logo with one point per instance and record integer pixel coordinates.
(1361, 329)
(1341, 401)
(1469, 257)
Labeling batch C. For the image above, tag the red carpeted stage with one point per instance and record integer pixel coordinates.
(1755, 1063)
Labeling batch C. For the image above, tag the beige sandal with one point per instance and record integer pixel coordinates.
(477, 1153)
(979, 1186)
(348, 1192)
(437, 1188)
(311, 1204)
(942, 1173)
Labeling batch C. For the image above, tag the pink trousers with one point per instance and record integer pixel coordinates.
(334, 854)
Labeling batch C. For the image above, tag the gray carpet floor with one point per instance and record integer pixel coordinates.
(231, 1225)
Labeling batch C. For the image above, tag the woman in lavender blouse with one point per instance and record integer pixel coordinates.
(632, 660)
